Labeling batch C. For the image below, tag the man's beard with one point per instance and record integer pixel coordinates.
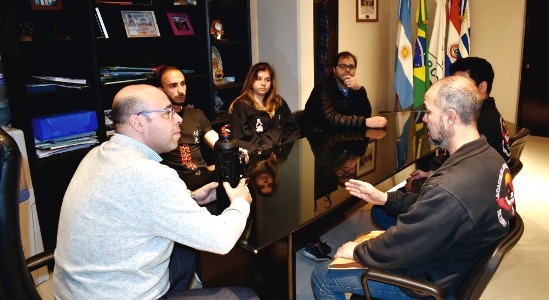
(178, 101)
(442, 140)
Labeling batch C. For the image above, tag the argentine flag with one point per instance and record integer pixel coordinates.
(465, 37)
(436, 44)
(403, 83)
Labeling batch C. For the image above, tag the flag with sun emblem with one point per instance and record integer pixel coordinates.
(403, 83)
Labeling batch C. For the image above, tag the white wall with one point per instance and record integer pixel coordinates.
(284, 38)
(374, 45)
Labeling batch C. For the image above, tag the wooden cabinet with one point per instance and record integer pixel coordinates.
(65, 43)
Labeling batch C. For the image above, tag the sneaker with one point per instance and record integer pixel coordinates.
(317, 251)
(325, 247)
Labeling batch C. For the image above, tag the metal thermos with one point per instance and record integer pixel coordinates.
(228, 165)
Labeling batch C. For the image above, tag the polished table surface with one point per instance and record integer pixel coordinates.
(309, 198)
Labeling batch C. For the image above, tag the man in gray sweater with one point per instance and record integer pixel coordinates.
(123, 210)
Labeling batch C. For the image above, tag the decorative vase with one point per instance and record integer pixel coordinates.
(26, 37)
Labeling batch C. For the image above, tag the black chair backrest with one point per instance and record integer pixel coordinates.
(515, 165)
(483, 271)
(16, 282)
(518, 141)
(474, 284)
(297, 117)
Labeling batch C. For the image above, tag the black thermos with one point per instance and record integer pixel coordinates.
(228, 165)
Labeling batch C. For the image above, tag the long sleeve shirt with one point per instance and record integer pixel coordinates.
(460, 211)
(255, 130)
(328, 107)
(120, 217)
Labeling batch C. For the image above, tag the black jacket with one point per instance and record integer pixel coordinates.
(461, 210)
(255, 130)
(493, 127)
(328, 108)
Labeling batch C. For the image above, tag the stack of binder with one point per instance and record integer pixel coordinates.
(64, 132)
(117, 74)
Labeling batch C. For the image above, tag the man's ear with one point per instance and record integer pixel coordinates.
(450, 116)
(482, 87)
(135, 123)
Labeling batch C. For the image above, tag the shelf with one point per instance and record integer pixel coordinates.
(221, 43)
(84, 54)
(229, 85)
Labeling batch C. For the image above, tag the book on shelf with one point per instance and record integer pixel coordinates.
(121, 2)
(109, 81)
(340, 263)
(35, 88)
(128, 69)
(62, 79)
(66, 144)
(36, 85)
(119, 74)
(102, 30)
(185, 2)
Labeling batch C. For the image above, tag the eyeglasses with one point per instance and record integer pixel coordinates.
(347, 67)
(170, 111)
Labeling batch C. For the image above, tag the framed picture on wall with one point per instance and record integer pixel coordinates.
(46, 4)
(181, 24)
(366, 10)
(367, 163)
(140, 23)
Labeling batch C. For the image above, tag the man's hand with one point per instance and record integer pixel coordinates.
(365, 191)
(241, 190)
(351, 82)
(375, 133)
(244, 153)
(417, 174)
(346, 250)
(376, 122)
(206, 194)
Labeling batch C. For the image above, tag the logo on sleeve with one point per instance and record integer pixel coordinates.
(505, 193)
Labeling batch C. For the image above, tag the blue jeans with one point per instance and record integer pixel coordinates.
(183, 263)
(381, 218)
(333, 284)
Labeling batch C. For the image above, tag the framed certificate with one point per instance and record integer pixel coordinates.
(367, 163)
(46, 4)
(181, 24)
(366, 10)
(140, 23)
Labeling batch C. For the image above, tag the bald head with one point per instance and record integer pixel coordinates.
(459, 94)
(144, 113)
(132, 99)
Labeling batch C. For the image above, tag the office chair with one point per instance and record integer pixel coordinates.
(518, 141)
(516, 144)
(297, 115)
(474, 284)
(16, 281)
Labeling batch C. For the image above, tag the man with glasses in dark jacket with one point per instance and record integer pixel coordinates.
(339, 101)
